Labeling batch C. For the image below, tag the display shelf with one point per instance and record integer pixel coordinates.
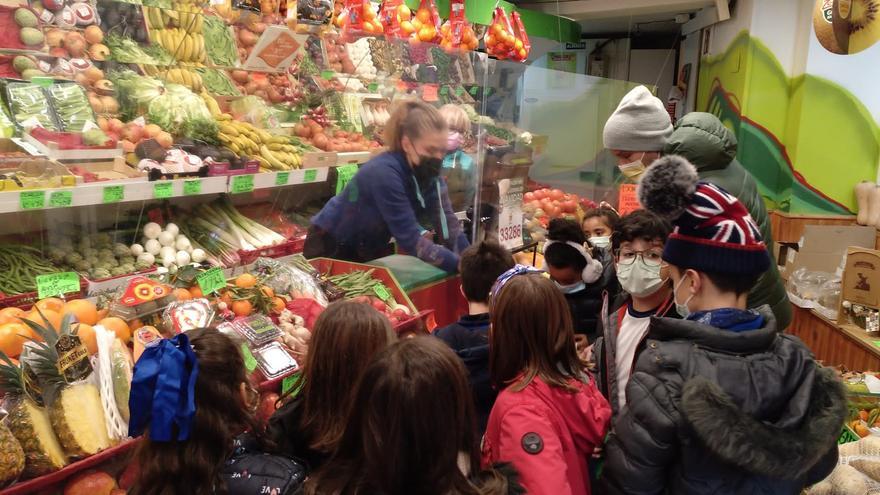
(52, 151)
(266, 180)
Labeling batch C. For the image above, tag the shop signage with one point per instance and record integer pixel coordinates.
(275, 51)
(282, 178)
(113, 194)
(32, 200)
(192, 187)
(57, 284)
(60, 199)
(510, 220)
(163, 190)
(242, 184)
(582, 45)
(211, 280)
(627, 201)
(310, 175)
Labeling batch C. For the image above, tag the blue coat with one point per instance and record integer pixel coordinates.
(383, 201)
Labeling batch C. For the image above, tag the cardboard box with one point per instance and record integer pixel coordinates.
(823, 246)
(315, 159)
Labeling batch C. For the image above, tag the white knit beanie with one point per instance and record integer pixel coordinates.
(640, 123)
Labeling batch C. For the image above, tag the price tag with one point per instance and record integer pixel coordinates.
(429, 92)
(381, 292)
(310, 175)
(211, 280)
(475, 90)
(327, 74)
(344, 175)
(444, 90)
(627, 200)
(57, 284)
(192, 187)
(373, 87)
(162, 190)
(282, 179)
(114, 194)
(250, 362)
(510, 219)
(290, 383)
(60, 199)
(242, 184)
(459, 91)
(32, 200)
(44, 82)
(28, 147)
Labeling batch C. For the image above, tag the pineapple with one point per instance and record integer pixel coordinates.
(11, 455)
(75, 410)
(29, 424)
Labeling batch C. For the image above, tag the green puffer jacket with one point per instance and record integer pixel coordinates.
(711, 147)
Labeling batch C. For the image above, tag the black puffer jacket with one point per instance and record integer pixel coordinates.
(586, 305)
(712, 147)
(716, 411)
(251, 472)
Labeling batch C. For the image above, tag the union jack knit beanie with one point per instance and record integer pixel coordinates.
(713, 231)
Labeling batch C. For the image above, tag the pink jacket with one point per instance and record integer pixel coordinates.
(549, 434)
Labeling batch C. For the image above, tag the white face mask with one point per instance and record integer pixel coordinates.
(633, 170)
(682, 309)
(639, 279)
(601, 242)
(572, 288)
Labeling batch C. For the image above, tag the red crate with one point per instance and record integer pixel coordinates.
(286, 248)
(50, 480)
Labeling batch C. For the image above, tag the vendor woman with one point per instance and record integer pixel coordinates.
(398, 195)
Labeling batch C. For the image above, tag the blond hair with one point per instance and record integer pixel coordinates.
(412, 119)
(456, 118)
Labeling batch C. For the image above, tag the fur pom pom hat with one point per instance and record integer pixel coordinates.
(713, 231)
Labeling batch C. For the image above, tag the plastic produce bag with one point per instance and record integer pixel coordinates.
(500, 39)
(284, 278)
(360, 20)
(7, 126)
(72, 107)
(30, 106)
(391, 15)
(522, 46)
(457, 33)
(426, 23)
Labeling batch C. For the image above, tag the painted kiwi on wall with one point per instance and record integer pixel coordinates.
(845, 27)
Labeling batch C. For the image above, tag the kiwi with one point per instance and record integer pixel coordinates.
(856, 24)
(822, 25)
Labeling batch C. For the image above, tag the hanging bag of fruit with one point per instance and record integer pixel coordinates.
(391, 14)
(500, 40)
(521, 45)
(457, 33)
(426, 24)
(359, 19)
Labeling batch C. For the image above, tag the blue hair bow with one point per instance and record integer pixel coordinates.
(509, 274)
(163, 390)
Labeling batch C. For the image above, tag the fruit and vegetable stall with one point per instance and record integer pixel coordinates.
(159, 163)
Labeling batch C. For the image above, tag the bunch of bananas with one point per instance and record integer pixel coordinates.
(178, 31)
(177, 75)
(273, 152)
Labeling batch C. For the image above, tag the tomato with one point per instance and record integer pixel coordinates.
(379, 305)
(528, 197)
(554, 212)
(535, 204)
(556, 194)
(539, 194)
(546, 205)
(569, 206)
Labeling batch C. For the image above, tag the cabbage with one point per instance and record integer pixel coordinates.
(135, 92)
(183, 113)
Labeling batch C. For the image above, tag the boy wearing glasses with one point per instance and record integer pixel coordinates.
(637, 245)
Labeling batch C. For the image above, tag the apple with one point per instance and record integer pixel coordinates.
(268, 406)
(90, 483)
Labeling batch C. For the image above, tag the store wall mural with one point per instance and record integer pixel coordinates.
(808, 126)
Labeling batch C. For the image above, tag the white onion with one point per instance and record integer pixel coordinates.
(137, 250)
(167, 251)
(167, 261)
(182, 244)
(153, 247)
(198, 255)
(183, 258)
(147, 258)
(166, 239)
(172, 228)
(152, 230)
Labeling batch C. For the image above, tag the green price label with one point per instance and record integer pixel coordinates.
(373, 87)
(162, 190)
(192, 187)
(211, 280)
(282, 178)
(310, 175)
(459, 91)
(60, 199)
(381, 292)
(290, 383)
(444, 90)
(114, 194)
(32, 200)
(242, 184)
(327, 74)
(42, 81)
(344, 175)
(250, 362)
(475, 90)
(57, 284)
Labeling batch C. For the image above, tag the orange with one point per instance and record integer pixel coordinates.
(84, 310)
(226, 297)
(48, 318)
(267, 291)
(403, 13)
(196, 292)
(88, 337)
(242, 308)
(12, 338)
(245, 281)
(182, 294)
(117, 326)
(102, 313)
(369, 14)
(424, 16)
(11, 315)
(278, 304)
(407, 27)
(51, 303)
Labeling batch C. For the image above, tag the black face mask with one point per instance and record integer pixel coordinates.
(427, 170)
